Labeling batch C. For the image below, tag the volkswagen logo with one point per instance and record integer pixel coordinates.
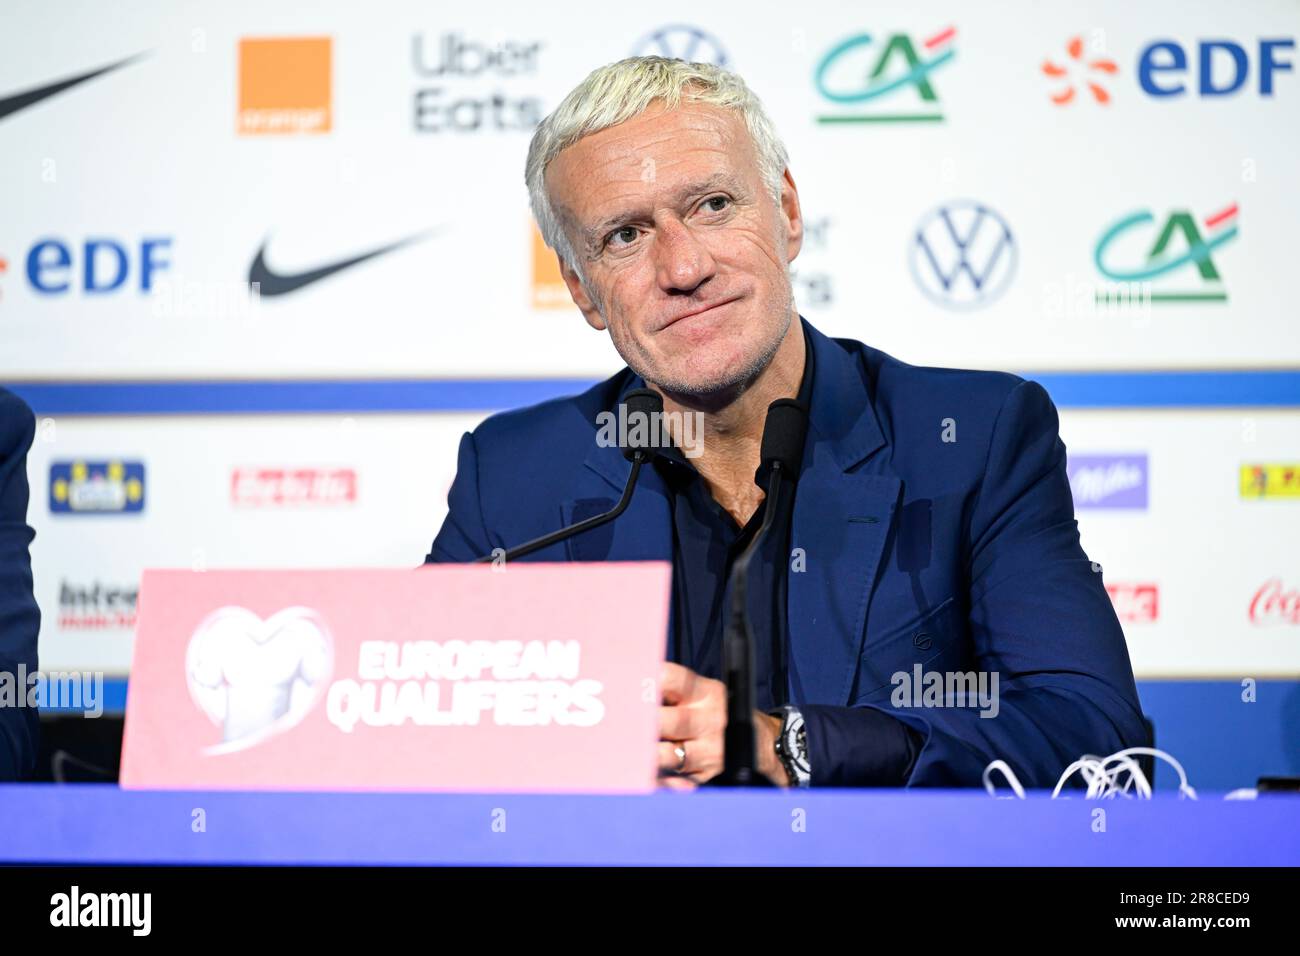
(963, 255)
(681, 42)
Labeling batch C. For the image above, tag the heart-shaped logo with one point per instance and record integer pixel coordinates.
(255, 678)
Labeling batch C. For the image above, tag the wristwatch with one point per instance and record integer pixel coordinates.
(792, 746)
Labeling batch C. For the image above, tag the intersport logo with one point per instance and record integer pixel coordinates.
(96, 606)
(1273, 604)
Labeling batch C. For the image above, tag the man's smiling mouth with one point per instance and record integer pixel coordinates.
(701, 310)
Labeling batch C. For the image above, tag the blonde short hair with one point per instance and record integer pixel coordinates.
(619, 91)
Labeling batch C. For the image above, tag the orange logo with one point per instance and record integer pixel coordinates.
(549, 290)
(285, 86)
(1076, 67)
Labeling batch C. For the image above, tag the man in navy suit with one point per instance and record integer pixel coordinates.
(20, 619)
(923, 606)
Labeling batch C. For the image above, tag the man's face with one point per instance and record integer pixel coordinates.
(685, 251)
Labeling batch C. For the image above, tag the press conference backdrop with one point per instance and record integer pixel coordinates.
(1101, 196)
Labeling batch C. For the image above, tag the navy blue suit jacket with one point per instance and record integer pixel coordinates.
(20, 620)
(958, 555)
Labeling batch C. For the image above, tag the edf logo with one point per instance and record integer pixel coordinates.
(97, 266)
(1223, 67)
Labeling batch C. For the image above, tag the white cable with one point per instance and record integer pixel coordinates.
(1106, 778)
(1007, 773)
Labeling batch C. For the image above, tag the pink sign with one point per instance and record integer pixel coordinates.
(539, 677)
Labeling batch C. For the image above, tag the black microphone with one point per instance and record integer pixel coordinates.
(641, 405)
(782, 454)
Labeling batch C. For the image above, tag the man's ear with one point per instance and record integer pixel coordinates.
(791, 217)
(580, 297)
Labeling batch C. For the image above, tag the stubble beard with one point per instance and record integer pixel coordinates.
(718, 392)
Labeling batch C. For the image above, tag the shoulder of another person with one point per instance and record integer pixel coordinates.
(17, 425)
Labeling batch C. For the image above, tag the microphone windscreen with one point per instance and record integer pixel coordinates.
(642, 412)
(783, 438)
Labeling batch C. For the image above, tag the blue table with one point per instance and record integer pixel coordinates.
(78, 824)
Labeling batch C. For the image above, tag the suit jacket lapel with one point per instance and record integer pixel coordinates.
(842, 517)
(641, 533)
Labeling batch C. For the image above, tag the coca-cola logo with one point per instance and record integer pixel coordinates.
(1274, 604)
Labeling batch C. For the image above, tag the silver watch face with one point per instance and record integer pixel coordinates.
(794, 738)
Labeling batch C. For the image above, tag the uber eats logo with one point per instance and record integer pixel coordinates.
(470, 86)
(884, 79)
(1166, 258)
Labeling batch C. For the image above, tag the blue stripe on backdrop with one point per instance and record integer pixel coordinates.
(1259, 389)
(1222, 742)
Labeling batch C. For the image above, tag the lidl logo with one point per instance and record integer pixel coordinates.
(285, 85)
(1178, 266)
(549, 290)
(889, 81)
(96, 487)
(1079, 75)
(1270, 480)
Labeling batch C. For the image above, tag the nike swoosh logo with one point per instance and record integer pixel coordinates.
(271, 283)
(20, 101)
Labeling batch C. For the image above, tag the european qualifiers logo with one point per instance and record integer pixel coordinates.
(1078, 73)
(254, 677)
(679, 41)
(865, 76)
(463, 85)
(1268, 480)
(1108, 481)
(285, 86)
(96, 487)
(962, 255)
(1170, 260)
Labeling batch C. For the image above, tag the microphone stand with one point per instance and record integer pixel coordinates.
(740, 765)
(638, 458)
(638, 402)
